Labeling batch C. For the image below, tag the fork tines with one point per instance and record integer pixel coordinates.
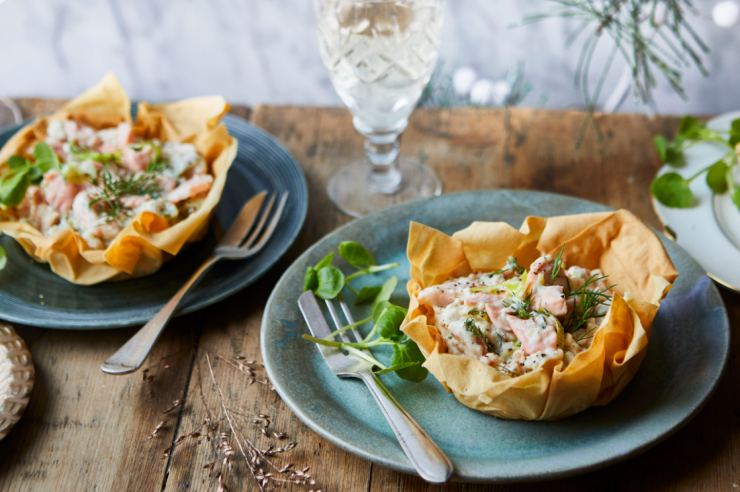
(259, 230)
(338, 322)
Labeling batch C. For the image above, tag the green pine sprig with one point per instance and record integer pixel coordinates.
(646, 43)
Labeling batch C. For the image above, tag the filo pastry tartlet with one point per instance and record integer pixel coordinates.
(539, 323)
(100, 197)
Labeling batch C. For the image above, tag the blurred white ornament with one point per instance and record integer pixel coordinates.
(482, 92)
(500, 92)
(463, 79)
(726, 14)
(660, 13)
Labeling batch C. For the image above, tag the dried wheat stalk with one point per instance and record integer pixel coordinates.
(267, 475)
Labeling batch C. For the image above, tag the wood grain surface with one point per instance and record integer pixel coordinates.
(84, 430)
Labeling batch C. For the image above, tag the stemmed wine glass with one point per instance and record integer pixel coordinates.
(9, 112)
(380, 54)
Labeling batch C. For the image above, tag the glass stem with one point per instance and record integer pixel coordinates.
(381, 149)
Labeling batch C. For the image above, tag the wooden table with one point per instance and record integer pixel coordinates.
(87, 431)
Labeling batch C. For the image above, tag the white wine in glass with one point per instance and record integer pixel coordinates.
(380, 55)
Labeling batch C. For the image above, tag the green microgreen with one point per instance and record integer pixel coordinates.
(362, 261)
(327, 282)
(21, 173)
(671, 189)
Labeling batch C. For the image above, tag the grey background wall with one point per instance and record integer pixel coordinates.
(266, 51)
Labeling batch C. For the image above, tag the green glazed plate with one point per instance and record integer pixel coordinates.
(677, 376)
(30, 293)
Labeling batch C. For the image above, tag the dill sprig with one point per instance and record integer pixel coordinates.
(470, 326)
(556, 266)
(112, 187)
(586, 303)
(520, 307)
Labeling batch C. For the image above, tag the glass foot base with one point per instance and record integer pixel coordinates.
(9, 112)
(348, 187)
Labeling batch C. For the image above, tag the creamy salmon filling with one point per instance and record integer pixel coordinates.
(108, 177)
(514, 319)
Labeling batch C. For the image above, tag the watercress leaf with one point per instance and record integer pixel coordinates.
(16, 162)
(386, 291)
(672, 190)
(389, 324)
(35, 174)
(379, 309)
(367, 294)
(674, 155)
(717, 177)
(46, 158)
(13, 186)
(3, 258)
(331, 281)
(409, 352)
(355, 253)
(311, 279)
(690, 127)
(396, 368)
(735, 133)
(661, 145)
(325, 261)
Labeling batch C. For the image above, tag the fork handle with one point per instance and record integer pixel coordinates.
(426, 457)
(133, 354)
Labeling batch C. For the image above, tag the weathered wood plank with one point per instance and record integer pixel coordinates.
(84, 430)
(102, 442)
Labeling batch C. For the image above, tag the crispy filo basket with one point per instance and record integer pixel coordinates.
(142, 246)
(618, 243)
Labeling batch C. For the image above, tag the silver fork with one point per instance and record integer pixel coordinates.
(426, 457)
(133, 354)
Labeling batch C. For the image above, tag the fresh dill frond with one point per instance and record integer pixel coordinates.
(470, 326)
(586, 302)
(520, 307)
(586, 335)
(112, 187)
(556, 266)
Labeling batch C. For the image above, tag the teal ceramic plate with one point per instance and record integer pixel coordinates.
(677, 376)
(32, 294)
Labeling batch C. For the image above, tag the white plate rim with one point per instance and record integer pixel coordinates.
(697, 227)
